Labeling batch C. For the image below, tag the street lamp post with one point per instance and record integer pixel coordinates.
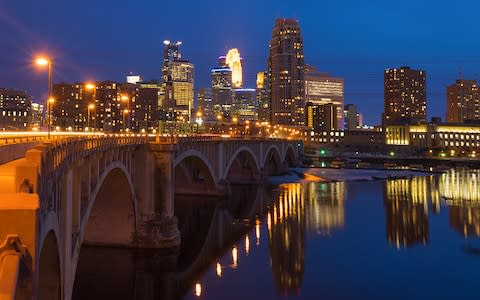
(43, 61)
(91, 86)
(125, 111)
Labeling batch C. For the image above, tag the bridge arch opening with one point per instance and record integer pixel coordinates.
(272, 164)
(192, 175)
(111, 221)
(243, 168)
(49, 279)
(290, 157)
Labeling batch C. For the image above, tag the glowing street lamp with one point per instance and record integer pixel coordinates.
(93, 88)
(46, 62)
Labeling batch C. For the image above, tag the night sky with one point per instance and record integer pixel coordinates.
(357, 40)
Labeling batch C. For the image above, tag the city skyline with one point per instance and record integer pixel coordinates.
(343, 40)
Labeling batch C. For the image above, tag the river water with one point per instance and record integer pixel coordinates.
(414, 238)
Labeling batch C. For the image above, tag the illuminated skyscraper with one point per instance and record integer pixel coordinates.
(463, 101)
(222, 93)
(244, 104)
(177, 83)
(234, 62)
(262, 97)
(321, 88)
(286, 74)
(405, 96)
(204, 103)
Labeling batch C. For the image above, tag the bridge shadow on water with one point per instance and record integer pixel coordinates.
(209, 227)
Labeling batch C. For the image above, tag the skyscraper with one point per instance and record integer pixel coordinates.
(405, 96)
(321, 88)
(15, 110)
(234, 62)
(177, 83)
(463, 100)
(204, 103)
(286, 74)
(262, 97)
(222, 93)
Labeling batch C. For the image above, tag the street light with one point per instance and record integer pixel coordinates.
(42, 62)
(93, 88)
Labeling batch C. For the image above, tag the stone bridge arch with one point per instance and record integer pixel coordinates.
(243, 167)
(194, 171)
(49, 268)
(272, 162)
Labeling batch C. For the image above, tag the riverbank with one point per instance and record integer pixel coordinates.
(336, 174)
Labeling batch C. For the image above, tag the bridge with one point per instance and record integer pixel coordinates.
(109, 191)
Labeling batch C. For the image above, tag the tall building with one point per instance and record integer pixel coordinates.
(145, 108)
(244, 104)
(177, 83)
(205, 104)
(352, 118)
(69, 111)
(405, 96)
(15, 110)
(263, 110)
(222, 93)
(463, 100)
(286, 74)
(37, 115)
(234, 62)
(321, 117)
(321, 88)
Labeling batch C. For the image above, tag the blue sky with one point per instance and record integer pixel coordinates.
(357, 40)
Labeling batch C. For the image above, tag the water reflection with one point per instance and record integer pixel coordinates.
(221, 236)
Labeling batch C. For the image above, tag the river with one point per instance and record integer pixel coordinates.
(414, 238)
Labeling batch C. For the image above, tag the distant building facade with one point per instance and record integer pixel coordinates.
(222, 92)
(244, 104)
(286, 74)
(321, 117)
(263, 102)
(321, 88)
(463, 101)
(15, 110)
(405, 96)
(352, 119)
(205, 104)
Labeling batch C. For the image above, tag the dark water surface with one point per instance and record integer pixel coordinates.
(396, 239)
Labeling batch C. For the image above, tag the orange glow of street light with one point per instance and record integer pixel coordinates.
(124, 98)
(91, 106)
(42, 61)
(51, 100)
(90, 86)
(125, 111)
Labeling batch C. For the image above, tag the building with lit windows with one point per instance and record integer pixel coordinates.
(222, 92)
(15, 110)
(463, 101)
(145, 107)
(244, 105)
(436, 139)
(205, 104)
(321, 117)
(69, 111)
(177, 84)
(37, 115)
(405, 96)
(352, 119)
(286, 74)
(263, 102)
(321, 88)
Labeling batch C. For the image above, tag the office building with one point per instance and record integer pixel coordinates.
(222, 93)
(352, 119)
(463, 100)
(286, 74)
(234, 62)
(205, 104)
(37, 115)
(263, 110)
(321, 88)
(405, 96)
(321, 117)
(244, 105)
(69, 111)
(177, 84)
(15, 110)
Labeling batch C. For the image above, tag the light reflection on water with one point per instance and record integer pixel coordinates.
(301, 239)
